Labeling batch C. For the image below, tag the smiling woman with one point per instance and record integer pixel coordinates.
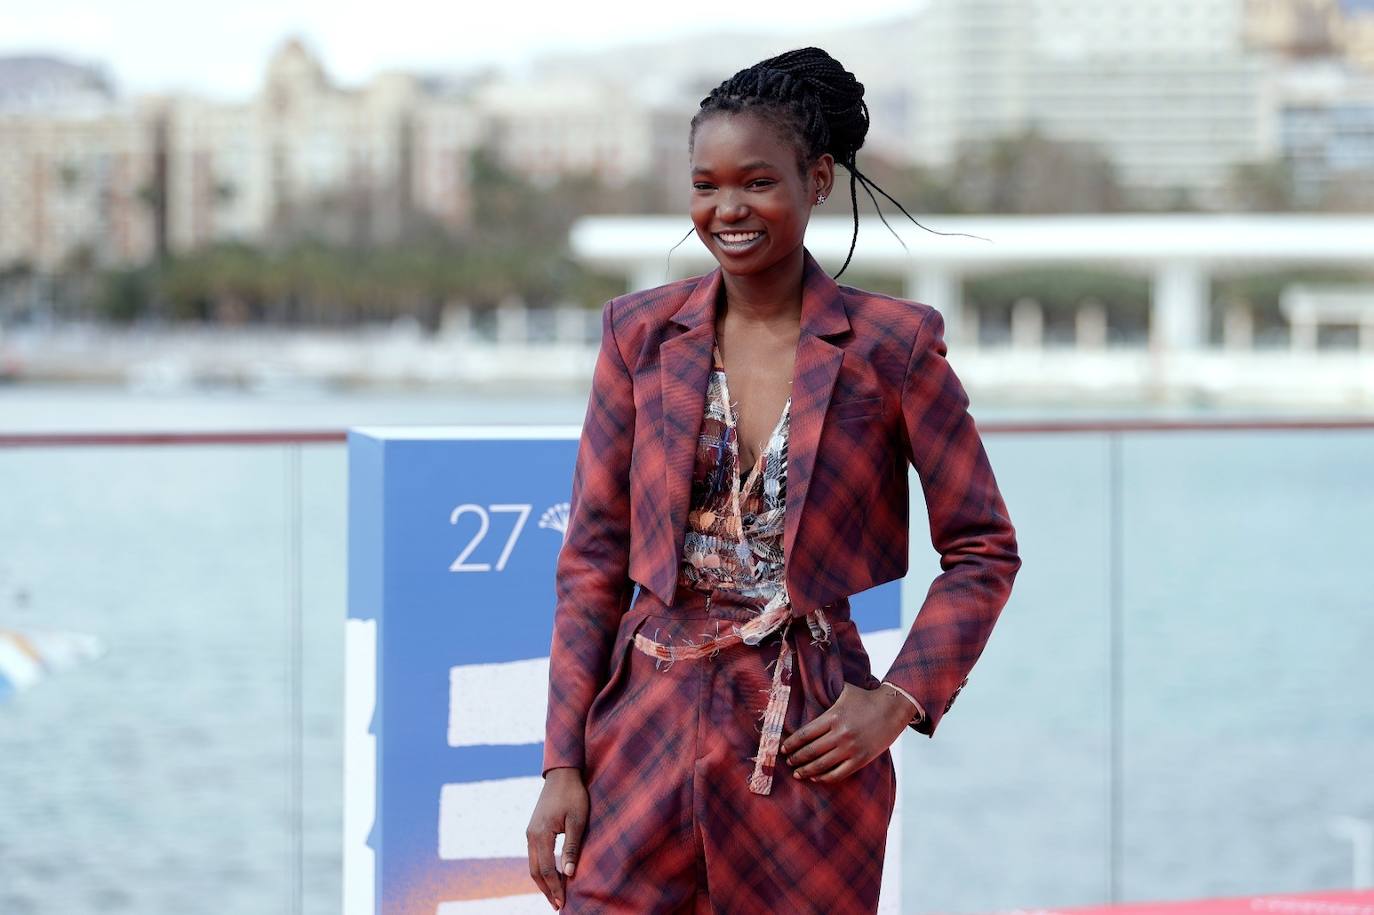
(749, 198)
(721, 407)
(817, 112)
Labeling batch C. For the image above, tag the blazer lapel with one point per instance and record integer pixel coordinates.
(814, 372)
(684, 366)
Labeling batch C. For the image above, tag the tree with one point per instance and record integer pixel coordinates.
(1031, 173)
(1263, 187)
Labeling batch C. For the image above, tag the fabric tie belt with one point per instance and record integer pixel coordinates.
(775, 616)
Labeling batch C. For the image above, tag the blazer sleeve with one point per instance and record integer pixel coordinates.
(592, 586)
(969, 527)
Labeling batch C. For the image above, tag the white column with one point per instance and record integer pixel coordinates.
(941, 287)
(1178, 305)
(971, 323)
(647, 274)
(456, 322)
(512, 320)
(1302, 327)
(1238, 326)
(571, 323)
(1027, 324)
(1090, 325)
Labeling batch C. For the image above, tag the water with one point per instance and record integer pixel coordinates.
(157, 779)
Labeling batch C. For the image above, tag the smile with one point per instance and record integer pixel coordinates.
(738, 241)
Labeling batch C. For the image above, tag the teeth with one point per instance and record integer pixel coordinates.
(738, 237)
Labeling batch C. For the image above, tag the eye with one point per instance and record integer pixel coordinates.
(701, 186)
(762, 182)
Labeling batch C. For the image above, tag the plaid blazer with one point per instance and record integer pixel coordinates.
(871, 392)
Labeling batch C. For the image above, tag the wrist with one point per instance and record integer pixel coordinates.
(905, 706)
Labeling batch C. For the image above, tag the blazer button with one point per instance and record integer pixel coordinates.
(955, 693)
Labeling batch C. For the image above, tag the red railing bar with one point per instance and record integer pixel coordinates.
(1177, 425)
(247, 437)
(995, 427)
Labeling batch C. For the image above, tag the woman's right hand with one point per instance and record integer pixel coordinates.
(562, 808)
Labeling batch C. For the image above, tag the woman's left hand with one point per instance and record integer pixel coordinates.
(859, 726)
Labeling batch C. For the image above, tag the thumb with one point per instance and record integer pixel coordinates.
(572, 842)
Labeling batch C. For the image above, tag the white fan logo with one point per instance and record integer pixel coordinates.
(556, 518)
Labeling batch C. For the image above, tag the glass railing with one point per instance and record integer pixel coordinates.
(1177, 702)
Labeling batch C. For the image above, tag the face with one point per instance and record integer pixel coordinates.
(750, 204)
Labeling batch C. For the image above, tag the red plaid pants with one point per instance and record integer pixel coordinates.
(671, 749)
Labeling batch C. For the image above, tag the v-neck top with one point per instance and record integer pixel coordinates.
(735, 519)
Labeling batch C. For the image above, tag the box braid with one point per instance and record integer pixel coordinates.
(807, 93)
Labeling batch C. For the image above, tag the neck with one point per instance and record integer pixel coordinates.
(767, 296)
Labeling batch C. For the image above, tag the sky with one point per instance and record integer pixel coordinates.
(221, 49)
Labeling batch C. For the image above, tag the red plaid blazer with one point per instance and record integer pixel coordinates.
(871, 392)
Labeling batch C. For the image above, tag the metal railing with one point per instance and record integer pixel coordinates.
(1109, 646)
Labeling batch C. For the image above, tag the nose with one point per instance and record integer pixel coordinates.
(731, 208)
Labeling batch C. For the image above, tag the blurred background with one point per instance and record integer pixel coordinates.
(227, 234)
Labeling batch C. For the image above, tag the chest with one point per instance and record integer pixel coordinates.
(758, 385)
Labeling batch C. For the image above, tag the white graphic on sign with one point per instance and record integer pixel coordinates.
(484, 523)
(556, 517)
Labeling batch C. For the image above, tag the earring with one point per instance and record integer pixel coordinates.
(820, 198)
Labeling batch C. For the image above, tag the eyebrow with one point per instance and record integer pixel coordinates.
(748, 167)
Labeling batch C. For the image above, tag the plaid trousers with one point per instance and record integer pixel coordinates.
(674, 825)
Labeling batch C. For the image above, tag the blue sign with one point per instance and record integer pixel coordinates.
(453, 537)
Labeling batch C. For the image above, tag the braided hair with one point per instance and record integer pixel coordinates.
(817, 102)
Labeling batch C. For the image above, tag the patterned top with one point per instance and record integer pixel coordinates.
(735, 521)
(734, 536)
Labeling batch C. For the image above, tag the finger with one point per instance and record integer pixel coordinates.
(813, 749)
(840, 772)
(807, 732)
(823, 763)
(572, 842)
(533, 842)
(548, 871)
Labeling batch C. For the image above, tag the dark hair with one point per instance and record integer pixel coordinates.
(816, 101)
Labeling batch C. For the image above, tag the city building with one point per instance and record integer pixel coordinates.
(1164, 88)
(304, 155)
(1326, 118)
(1174, 94)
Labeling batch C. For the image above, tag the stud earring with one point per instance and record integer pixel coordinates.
(820, 198)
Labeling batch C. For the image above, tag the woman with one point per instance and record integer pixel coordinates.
(716, 740)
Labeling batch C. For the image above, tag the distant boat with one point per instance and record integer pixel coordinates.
(30, 656)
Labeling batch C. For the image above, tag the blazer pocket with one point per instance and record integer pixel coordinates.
(857, 408)
(604, 705)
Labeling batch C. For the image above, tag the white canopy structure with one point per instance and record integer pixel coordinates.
(1178, 251)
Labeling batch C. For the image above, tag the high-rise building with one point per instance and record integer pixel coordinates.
(1165, 88)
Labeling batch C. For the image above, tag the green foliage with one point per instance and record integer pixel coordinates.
(1264, 187)
(1261, 291)
(1032, 173)
(516, 242)
(1059, 289)
(122, 294)
(516, 246)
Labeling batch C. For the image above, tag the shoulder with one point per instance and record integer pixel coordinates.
(643, 316)
(888, 330)
(882, 313)
(889, 333)
(657, 303)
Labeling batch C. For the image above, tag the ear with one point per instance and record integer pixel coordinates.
(822, 175)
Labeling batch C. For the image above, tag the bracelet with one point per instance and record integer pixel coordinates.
(918, 714)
